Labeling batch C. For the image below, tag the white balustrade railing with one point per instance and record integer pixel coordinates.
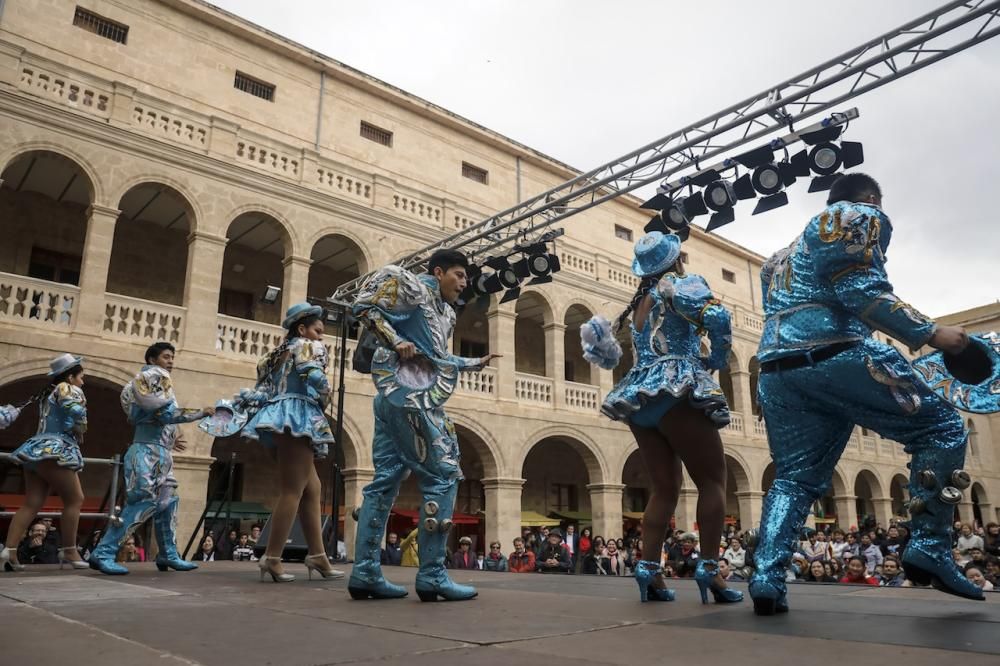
(35, 302)
(533, 388)
(582, 396)
(759, 427)
(141, 320)
(886, 447)
(481, 382)
(735, 422)
(752, 321)
(868, 444)
(246, 338)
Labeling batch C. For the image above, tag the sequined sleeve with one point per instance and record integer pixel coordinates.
(848, 244)
(387, 298)
(310, 358)
(71, 399)
(172, 413)
(691, 298)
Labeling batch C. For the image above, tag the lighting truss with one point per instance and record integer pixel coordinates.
(920, 42)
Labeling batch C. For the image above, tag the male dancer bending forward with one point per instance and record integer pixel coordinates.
(822, 373)
(414, 374)
(150, 486)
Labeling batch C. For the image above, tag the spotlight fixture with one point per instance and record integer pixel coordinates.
(539, 263)
(826, 159)
(271, 295)
(720, 196)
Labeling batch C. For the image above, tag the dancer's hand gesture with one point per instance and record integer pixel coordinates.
(406, 350)
(949, 339)
(484, 361)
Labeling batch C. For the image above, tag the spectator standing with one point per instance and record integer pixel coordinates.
(554, 557)
(615, 562)
(857, 573)
(521, 560)
(813, 549)
(967, 540)
(871, 553)
(495, 560)
(243, 552)
(464, 558)
(392, 554)
(36, 548)
(584, 542)
(572, 543)
(592, 560)
(409, 547)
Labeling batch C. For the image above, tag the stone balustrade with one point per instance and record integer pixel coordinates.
(38, 303)
(534, 389)
(142, 321)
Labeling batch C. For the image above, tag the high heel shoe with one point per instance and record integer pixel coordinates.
(265, 568)
(76, 564)
(329, 574)
(707, 581)
(645, 574)
(6, 564)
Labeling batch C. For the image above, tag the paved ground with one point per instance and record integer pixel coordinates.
(223, 615)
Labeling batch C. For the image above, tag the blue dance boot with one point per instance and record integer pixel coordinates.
(707, 581)
(646, 573)
(165, 525)
(435, 522)
(366, 580)
(785, 510)
(935, 489)
(103, 557)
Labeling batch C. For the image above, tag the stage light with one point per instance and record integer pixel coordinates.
(511, 295)
(824, 159)
(719, 195)
(770, 203)
(271, 294)
(767, 180)
(683, 209)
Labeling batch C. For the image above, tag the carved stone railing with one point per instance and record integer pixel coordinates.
(583, 397)
(751, 321)
(246, 339)
(41, 303)
(413, 205)
(623, 276)
(339, 180)
(735, 423)
(577, 262)
(868, 444)
(142, 321)
(66, 90)
(759, 428)
(482, 382)
(532, 388)
(169, 125)
(267, 156)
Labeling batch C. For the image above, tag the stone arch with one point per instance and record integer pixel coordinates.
(483, 442)
(899, 492)
(838, 485)
(558, 466)
(767, 477)
(360, 242)
(576, 368)
(39, 366)
(867, 488)
(472, 327)
(335, 258)
(154, 214)
(584, 445)
(256, 253)
(45, 199)
(195, 212)
(636, 480)
(292, 243)
(979, 499)
(533, 316)
(97, 187)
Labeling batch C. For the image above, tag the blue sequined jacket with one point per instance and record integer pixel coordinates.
(151, 406)
(830, 286)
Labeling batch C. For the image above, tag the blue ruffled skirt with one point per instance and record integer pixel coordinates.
(64, 449)
(291, 414)
(648, 392)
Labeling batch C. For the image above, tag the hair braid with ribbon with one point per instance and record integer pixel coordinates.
(645, 285)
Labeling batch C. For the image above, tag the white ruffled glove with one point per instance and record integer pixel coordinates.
(599, 344)
(8, 414)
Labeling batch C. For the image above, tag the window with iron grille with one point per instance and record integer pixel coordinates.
(623, 232)
(376, 134)
(728, 276)
(255, 87)
(91, 22)
(475, 173)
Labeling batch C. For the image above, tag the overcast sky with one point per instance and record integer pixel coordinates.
(587, 81)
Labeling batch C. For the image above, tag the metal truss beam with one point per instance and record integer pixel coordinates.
(923, 41)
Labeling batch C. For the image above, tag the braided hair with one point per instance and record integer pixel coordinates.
(44, 392)
(291, 333)
(646, 285)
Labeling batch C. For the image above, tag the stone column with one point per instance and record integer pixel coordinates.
(295, 286)
(191, 472)
(741, 397)
(383, 190)
(751, 506)
(94, 268)
(883, 510)
(503, 510)
(201, 290)
(606, 508)
(847, 511)
(501, 322)
(355, 480)
(686, 513)
(555, 361)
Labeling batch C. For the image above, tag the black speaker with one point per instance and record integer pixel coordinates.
(295, 547)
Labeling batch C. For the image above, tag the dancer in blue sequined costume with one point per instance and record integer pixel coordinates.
(150, 487)
(291, 393)
(51, 460)
(822, 373)
(414, 373)
(671, 402)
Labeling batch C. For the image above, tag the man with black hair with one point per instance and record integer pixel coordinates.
(150, 486)
(414, 373)
(822, 373)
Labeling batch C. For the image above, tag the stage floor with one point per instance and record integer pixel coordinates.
(221, 614)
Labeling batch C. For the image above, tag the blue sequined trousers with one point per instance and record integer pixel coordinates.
(811, 412)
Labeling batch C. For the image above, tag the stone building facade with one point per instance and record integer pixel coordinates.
(164, 161)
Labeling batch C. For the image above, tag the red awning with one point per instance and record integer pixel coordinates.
(457, 518)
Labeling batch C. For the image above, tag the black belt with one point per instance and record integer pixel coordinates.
(810, 358)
